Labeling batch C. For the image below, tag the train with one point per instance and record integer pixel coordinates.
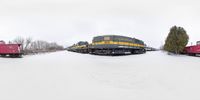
(110, 45)
(81, 47)
(193, 50)
(10, 50)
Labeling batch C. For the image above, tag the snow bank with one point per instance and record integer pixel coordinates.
(72, 76)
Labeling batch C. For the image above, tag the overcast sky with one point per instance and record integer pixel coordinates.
(68, 21)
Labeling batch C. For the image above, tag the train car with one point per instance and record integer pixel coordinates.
(10, 50)
(193, 50)
(81, 47)
(116, 45)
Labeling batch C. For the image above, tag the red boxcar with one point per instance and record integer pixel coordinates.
(12, 50)
(193, 50)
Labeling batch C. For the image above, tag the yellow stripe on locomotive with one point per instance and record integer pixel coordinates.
(117, 43)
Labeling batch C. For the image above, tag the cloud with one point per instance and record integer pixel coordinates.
(68, 21)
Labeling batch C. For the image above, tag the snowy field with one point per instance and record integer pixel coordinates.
(72, 76)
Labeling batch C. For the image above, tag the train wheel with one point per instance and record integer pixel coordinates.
(15, 55)
(19, 55)
(192, 54)
(3, 55)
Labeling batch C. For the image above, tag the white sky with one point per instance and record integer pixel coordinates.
(68, 21)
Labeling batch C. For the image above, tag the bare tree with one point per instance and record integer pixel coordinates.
(27, 43)
(20, 40)
(29, 46)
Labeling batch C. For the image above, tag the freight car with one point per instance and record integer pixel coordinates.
(110, 45)
(116, 45)
(193, 50)
(11, 50)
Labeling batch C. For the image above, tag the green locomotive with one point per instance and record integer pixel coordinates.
(111, 45)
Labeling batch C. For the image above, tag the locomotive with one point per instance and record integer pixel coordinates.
(111, 45)
(81, 47)
(11, 50)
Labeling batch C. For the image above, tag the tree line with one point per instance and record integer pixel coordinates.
(30, 46)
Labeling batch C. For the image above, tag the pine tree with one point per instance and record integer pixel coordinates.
(176, 40)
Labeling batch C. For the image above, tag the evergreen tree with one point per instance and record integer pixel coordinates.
(176, 40)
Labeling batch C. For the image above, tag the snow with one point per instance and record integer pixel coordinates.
(72, 76)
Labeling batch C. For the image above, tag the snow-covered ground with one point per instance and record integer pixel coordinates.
(72, 76)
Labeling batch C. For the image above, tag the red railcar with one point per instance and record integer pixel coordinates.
(11, 50)
(193, 50)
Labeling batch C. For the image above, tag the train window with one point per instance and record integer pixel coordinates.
(133, 40)
(106, 38)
